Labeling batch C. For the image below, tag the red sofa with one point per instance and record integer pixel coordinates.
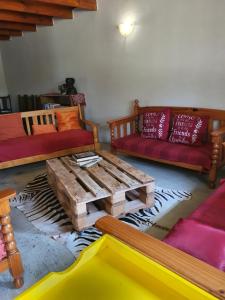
(30, 148)
(202, 234)
(208, 157)
(33, 145)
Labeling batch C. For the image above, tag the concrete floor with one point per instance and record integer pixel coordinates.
(42, 255)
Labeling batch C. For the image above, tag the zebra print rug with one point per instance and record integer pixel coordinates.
(41, 207)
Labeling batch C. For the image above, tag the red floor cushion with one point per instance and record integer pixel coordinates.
(158, 149)
(197, 239)
(2, 248)
(212, 210)
(44, 144)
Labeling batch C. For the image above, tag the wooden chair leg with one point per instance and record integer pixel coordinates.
(97, 147)
(113, 150)
(16, 269)
(13, 255)
(212, 177)
(214, 161)
(212, 184)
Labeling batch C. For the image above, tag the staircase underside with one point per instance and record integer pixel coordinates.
(17, 16)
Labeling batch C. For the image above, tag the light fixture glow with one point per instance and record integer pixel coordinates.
(126, 28)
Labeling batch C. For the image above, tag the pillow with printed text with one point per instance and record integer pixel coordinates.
(156, 124)
(188, 129)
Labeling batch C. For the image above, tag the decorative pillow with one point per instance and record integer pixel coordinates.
(68, 120)
(156, 124)
(189, 129)
(42, 129)
(199, 240)
(11, 126)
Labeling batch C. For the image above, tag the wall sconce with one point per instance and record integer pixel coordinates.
(126, 28)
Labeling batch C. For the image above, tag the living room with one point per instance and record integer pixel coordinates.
(171, 56)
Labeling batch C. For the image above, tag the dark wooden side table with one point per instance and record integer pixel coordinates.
(64, 100)
(37, 102)
(5, 105)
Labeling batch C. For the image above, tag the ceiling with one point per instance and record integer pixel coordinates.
(18, 16)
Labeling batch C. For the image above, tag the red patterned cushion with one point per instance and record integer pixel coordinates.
(156, 124)
(189, 129)
(199, 240)
(2, 248)
(158, 149)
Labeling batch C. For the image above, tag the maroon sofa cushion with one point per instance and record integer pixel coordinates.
(43, 144)
(164, 150)
(156, 124)
(212, 210)
(199, 240)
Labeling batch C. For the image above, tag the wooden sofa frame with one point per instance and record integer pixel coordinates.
(13, 260)
(130, 124)
(48, 117)
(192, 269)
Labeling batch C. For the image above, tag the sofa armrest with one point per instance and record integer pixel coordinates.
(218, 152)
(4, 199)
(217, 139)
(122, 120)
(177, 261)
(94, 128)
(128, 125)
(218, 132)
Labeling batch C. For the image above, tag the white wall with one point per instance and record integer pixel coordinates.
(176, 56)
(3, 86)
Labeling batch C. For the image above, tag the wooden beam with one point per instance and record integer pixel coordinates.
(25, 18)
(37, 8)
(4, 37)
(10, 32)
(81, 4)
(17, 26)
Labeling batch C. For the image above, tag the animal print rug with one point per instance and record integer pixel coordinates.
(41, 207)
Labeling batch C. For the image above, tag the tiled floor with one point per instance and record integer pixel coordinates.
(42, 255)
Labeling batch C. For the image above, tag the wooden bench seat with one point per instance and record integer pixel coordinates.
(124, 130)
(59, 144)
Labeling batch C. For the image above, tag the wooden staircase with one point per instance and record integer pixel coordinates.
(17, 16)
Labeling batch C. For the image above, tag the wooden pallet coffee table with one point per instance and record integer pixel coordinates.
(112, 187)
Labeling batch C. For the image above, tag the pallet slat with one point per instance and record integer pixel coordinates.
(72, 187)
(106, 179)
(119, 174)
(84, 177)
(122, 165)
